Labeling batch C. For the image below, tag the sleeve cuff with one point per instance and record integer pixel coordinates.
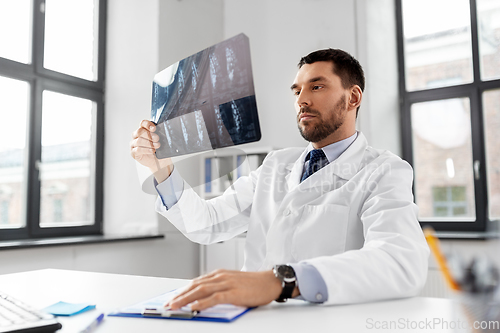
(171, 189)
(310, 282)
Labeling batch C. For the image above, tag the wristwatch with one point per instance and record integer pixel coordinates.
(286, 274)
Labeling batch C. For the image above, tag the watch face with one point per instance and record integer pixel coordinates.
(286, 271)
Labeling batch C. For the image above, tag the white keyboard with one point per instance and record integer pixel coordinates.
(16, 316)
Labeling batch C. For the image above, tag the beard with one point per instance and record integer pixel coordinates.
(333, 120)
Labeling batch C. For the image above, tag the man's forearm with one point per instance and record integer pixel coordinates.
(162, 173)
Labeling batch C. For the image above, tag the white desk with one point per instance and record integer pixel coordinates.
(111, 291)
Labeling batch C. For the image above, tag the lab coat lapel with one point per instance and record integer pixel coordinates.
(349, 163)
(344, 167)
(295, 172)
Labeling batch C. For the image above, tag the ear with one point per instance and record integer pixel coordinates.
(355, 97)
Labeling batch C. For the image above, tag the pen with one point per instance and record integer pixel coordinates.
(153, 312)
(441, 260)
(93, 324)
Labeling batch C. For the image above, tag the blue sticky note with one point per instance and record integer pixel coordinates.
(68, 309)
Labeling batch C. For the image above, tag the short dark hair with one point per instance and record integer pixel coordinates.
(344, 65)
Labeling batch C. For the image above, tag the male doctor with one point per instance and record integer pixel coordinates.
(333, 223)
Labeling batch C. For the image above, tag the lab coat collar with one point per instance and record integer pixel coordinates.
(345, 166)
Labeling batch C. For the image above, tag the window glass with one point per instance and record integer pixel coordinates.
(15, 30)
(442, 156)
(488, 12)
(437, 44)
(14, 101)
(449, 201)
(71, 35)
(492, 138)
(66, 170)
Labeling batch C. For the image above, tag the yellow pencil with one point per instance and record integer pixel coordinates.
(441, 260)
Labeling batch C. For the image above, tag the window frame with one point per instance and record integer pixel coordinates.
(40, 79)
(474, 91)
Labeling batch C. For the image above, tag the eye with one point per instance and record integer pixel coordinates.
(296, 92)
(316, 87)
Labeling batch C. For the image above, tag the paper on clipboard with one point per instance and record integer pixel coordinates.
(221, 312)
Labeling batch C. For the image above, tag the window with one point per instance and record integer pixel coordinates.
(449, 201)
(58, 211)
(4, 206)
(52, 57)
(450, 102)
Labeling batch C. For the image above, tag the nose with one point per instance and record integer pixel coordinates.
(303, 99)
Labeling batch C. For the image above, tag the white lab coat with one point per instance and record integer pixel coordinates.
(354, 221)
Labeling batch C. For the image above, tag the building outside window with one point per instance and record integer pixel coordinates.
(4, 212)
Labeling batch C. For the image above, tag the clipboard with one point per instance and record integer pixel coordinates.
(154, 308)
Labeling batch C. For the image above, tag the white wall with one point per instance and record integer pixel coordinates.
(134, 52)
(187, 27)
(132, 61)
(281, 32)
(379, 114)
(289, 29)
(146, 257)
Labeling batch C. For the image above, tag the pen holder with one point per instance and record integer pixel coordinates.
(482, 311)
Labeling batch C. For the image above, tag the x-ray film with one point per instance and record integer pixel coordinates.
(206, 101)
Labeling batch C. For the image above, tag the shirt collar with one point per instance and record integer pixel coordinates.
(334, 150)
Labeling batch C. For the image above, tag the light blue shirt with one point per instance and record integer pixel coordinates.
(334, 150)
(310, 282)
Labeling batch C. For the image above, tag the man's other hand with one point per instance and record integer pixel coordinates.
(248, 289)
(143, 147)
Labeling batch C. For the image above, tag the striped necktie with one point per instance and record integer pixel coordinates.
(317, 160)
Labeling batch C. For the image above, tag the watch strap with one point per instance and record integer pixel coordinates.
(287, 291)
(288, 284)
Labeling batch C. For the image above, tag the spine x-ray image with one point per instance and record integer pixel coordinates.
(206, 101)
